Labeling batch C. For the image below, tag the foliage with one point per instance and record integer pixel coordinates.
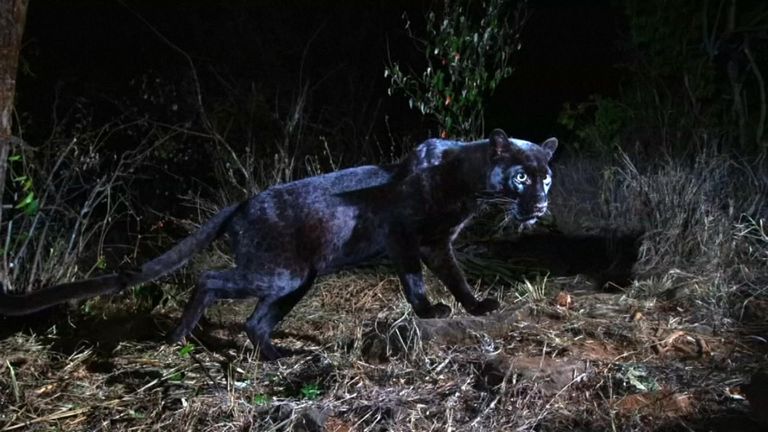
(535, 291)
(468, 52)
(693, 79)
(29, 204)
(261, 399)
(186, 350)
(597, 123)
(310, 391)
(636, 377)
(66, 192)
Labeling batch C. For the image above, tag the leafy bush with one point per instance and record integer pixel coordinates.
(67, 194)
(693, 80)
(468, 51)
(597, 124)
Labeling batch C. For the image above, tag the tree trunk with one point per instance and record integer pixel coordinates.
(12, 16)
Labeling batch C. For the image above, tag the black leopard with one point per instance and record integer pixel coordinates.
(286, 236)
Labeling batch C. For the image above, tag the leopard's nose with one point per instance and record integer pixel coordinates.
(540, 208)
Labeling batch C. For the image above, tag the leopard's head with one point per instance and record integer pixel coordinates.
(520, 177)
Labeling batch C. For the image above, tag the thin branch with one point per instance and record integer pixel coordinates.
(761, 85)
(198, 91)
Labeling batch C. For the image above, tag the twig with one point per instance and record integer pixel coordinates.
(761, 85)
(198, 90)
(50, 417)
(14, 383)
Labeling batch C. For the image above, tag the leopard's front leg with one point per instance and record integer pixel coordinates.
(440, 259)
(403, 250)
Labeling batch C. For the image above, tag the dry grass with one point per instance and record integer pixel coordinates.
(608, 361)
(666, 354)
(702, 223)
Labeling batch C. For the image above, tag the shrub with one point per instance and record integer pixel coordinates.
(467, 51)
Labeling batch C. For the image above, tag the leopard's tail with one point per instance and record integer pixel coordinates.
(171, 260)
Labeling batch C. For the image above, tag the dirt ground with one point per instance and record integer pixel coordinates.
(557, 356)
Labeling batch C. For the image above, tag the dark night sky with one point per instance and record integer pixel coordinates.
(93, 49)
(569, 51)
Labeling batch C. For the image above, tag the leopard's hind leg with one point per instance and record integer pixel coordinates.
(270, 311)
(278, 289)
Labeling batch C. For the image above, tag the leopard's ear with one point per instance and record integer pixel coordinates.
(549, 146)
(499, 143)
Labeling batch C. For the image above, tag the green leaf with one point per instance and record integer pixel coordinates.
(310, 391)
(32, 208)
(462, 53)
(186, 350)
(260, 399)
(136, 414)
(26, 201)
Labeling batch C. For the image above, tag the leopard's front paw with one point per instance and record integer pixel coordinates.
(176, 336)
(484, 306)
(437, 310)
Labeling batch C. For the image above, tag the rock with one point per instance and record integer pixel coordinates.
(310, 419)
(550, 374)
(460, 331)
(702, 329)
(463, 330)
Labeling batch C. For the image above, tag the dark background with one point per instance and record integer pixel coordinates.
(101, 53)
(303, 80)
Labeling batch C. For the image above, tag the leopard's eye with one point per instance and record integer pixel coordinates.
(521, 177)
(547, 179)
